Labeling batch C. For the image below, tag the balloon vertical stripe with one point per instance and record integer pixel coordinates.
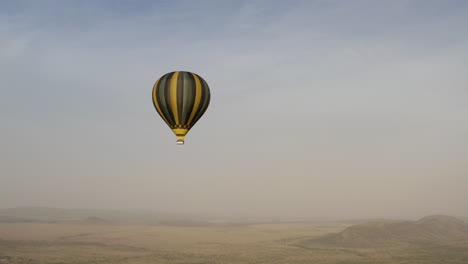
(180, 96)
(163, 97)
(205, 98)
(156, 103)
(198, 93)
(188, 101)
(173, 95)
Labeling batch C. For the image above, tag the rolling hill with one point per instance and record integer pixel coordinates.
(435, 229)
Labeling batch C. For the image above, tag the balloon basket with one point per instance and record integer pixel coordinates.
(180, 142)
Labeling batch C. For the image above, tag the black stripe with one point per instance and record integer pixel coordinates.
(167, 98)
(202, 112)
(204, 101)
(160, 97)
(188, 108)
(180, 95)
(185, 100)
(155, 100)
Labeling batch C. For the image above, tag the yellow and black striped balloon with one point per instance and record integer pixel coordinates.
(181, 98)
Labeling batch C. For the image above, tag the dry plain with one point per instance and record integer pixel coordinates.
(96, 241)
(82, 242)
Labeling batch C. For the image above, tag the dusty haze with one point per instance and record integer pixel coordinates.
(320, 110)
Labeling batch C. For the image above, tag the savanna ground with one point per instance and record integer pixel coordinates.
(75, 242)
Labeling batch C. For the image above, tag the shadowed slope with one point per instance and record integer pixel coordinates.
(431, 229)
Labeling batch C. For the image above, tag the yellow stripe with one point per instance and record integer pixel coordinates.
(197, 97)
(173, 93)
(180, 133)
(155, 88)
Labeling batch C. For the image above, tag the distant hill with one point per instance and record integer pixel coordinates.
(56, 214)
(93, 220)
(47, 214)
(430, 229)
(15, 219)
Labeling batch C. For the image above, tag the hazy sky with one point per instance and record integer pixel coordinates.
(319, 109)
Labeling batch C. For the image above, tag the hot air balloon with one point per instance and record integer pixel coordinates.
(181, 98)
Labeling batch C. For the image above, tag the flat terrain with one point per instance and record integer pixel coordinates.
(95, 241)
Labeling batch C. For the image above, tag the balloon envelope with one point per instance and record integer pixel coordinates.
(181, 98)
